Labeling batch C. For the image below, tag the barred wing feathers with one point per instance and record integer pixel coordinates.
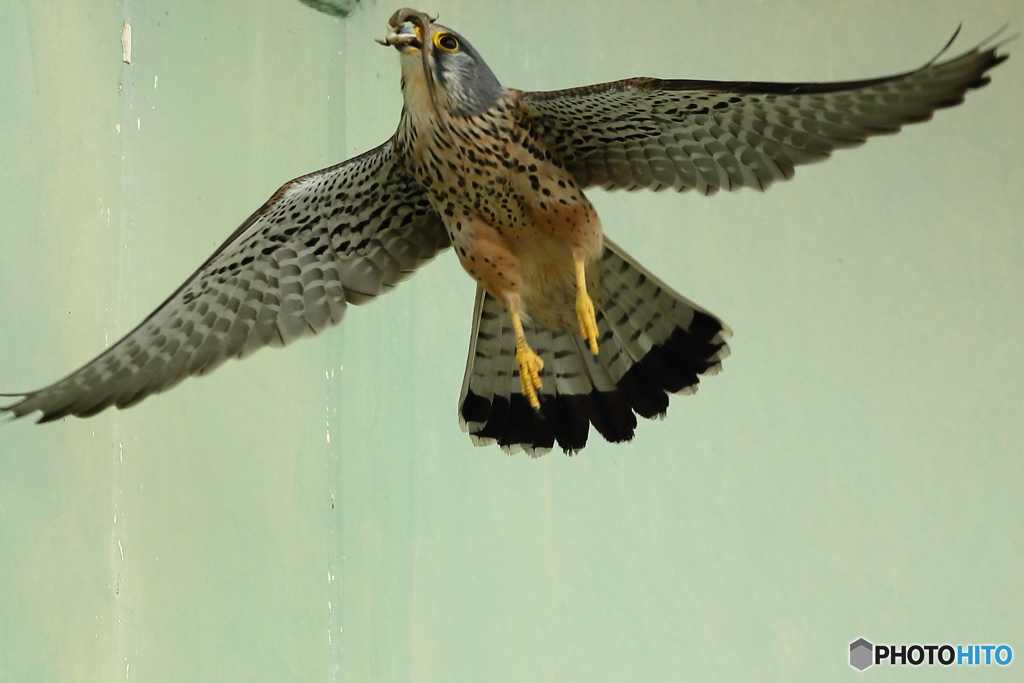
(711, 135)
(345, 234)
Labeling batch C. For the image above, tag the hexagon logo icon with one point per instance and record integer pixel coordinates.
(861, 652)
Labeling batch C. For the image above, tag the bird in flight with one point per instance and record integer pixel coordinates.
(568, 331)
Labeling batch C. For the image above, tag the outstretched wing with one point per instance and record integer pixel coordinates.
(342, 235)
(711, 135)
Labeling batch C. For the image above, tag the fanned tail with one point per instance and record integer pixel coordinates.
(653, 342)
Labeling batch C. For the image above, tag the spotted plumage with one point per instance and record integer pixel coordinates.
(569, 331)
(346, 234)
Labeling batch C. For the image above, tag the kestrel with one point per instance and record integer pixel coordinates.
(568, 329)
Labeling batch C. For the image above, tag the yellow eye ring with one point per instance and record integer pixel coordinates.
(446, 42)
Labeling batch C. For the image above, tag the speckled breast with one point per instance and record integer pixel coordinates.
(486, 167)
(493, 185)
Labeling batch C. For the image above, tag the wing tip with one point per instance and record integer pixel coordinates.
(16, 410)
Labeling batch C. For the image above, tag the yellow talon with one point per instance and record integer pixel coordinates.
(585, 309)
(530, 365)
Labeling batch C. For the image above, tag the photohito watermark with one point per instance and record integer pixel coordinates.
(863, 654)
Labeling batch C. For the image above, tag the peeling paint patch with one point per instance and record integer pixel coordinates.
(126, 43)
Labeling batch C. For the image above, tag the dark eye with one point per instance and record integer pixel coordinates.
(447, 42)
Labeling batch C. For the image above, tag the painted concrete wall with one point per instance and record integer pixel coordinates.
(316, 514)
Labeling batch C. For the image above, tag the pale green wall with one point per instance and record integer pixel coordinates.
(856, 470)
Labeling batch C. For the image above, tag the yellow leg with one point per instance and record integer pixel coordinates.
(530, 364)
(585, 308)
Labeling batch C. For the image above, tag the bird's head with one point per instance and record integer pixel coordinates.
(454, 74)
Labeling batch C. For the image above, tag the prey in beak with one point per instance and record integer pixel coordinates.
(406, 29)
